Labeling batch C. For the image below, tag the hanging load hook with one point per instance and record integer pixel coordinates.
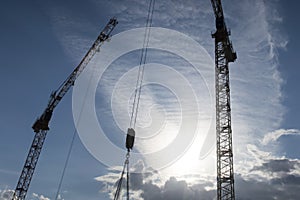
(130, 138)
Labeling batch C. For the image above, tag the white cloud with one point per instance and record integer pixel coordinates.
(146, 184)
(267, 180)
(39, 197)
(283, 188)
(6, 194)
(275, 135)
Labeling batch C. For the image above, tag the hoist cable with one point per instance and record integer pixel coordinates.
(117, 194)
(65, 165)
(136, 100)
(119, 186)
(139, 72)
(127, 180)
(73, 137)
(144, 59)
(142, 63)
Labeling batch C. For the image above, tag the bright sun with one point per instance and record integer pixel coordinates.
(189, 163)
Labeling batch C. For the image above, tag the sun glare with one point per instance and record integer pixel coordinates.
(189, 163)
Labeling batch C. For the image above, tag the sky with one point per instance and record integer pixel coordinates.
(174, 154)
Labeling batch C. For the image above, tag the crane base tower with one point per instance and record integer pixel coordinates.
(224, 54)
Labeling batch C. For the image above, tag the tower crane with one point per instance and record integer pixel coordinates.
(224, 54)
(41, 125)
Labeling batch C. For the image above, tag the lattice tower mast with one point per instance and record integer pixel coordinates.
(224, 54)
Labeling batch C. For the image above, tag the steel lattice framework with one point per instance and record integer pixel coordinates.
(225, 182)
(224, 54)
(28, 169)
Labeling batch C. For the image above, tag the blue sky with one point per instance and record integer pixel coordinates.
(43, 41)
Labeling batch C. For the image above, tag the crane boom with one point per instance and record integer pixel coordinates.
(224, 54)
(42, 122)
(217, 7)
(41, 127)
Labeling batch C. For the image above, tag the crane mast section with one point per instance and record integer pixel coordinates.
(28, 169)
(42, 122)
(225, 174)
(224, 54)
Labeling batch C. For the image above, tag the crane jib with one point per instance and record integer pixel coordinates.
(103, 36)
(42, 123)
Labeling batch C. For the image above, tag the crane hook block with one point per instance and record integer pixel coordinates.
(130, 138)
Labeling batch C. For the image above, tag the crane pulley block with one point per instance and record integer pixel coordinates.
(130, 138)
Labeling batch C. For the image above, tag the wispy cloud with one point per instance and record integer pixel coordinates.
(71, 30)
(255, 79)
(275, 135)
